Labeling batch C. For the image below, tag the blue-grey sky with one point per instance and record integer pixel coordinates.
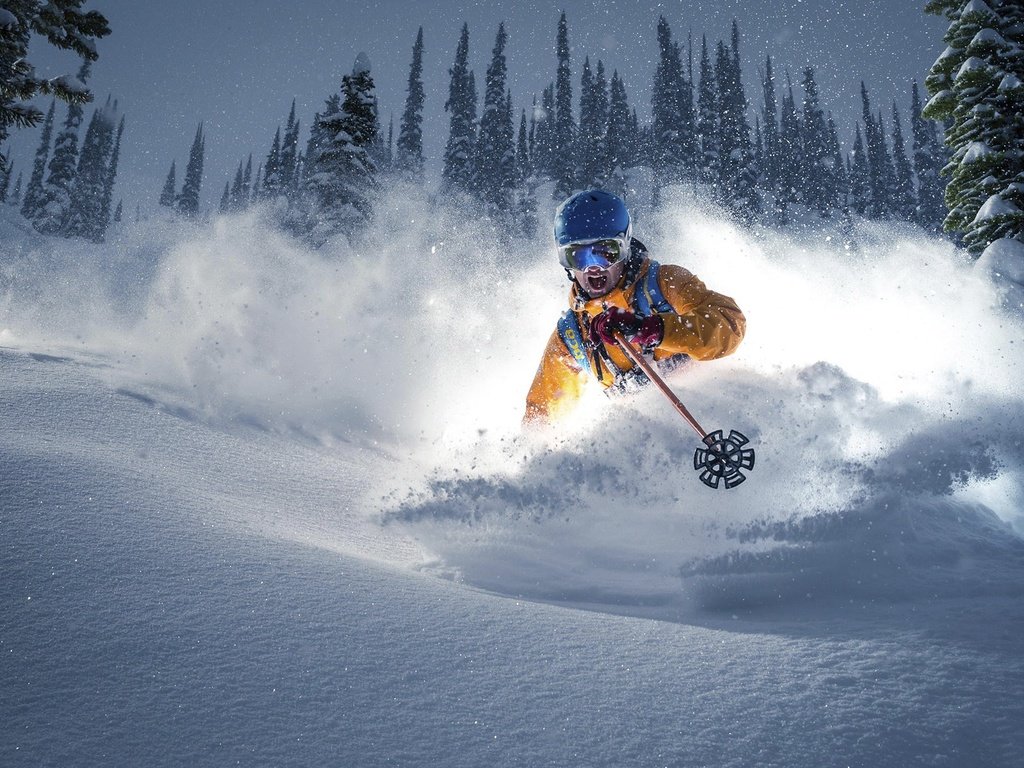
(235, 65)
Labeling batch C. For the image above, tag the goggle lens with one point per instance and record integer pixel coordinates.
(601, 254)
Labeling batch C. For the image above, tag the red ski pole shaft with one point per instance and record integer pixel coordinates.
(634, 354)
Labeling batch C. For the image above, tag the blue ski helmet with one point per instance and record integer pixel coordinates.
(589, 216)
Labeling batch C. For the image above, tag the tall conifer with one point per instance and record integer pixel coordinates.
(188, 200)
(564, 139)
(457, 174)
(33, 201)
(409, 155)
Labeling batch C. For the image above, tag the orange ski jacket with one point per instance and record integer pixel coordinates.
(699, 323)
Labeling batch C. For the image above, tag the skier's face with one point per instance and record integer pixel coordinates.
(598, 281)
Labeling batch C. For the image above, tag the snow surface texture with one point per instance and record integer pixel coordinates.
(232, 468)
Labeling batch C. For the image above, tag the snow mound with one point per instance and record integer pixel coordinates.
(886, 425)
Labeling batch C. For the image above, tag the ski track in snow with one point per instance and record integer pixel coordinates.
(250, 516)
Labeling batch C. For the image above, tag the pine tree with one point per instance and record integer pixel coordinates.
(188, 200)
(495, 151)
(790, 152)
(903, 202)
(457, 174)
(257, 181)
(167, 194)
(928, 161)
(272, 169)
(235, 191)
(593, 126)
(888, 170)
(289, 156)
(33, 202)
(619, 146)
(738, 177)
(247, 184)
(977, 87)
(771, 162)
(564, 138)
(525, 183)
(880, 173)
(15, 199)
(672, 122)
(110, 181)
(85, 216)
(707, 120)
(544, 135)
(410, 135)
(839, 180)
(6, 169)
(225, 199)
(860, 177)
(118, 211)
(343, 177)
(56, 200)
(65, 26)
(819, 189)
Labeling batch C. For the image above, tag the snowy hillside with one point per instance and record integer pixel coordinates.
(268, 506)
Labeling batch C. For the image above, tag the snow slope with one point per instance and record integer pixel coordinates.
(270, 507)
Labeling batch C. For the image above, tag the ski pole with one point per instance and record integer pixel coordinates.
(724, 457)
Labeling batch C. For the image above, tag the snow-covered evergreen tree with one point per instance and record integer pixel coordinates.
(738, 176)
(457, 174)
(111, 180)
(592, 155)
(257, 180)
(888, 169)
(840, 182)
(495, 151)
(819, 184)
(929, 159)
(343, 178)
(707, 120)
(167, 194)
(14, 199)
(544, 135)
(771, 160)
(525, 211)
(977, 84)
(33, 202)
(86, 217)
(289, 156)
(225, 199)
(64, 25)
(860, 177)
(60, 180)
(790, 151)
(903, 202)
(118, 212)
(235, 191)
(564, 167)
(6, 171)
(619, 147)
(673, 129)
(880, 173)
(272, 169)
(409, 154)
(188, 201)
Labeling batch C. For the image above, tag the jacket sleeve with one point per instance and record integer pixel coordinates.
(706, 325)
(557, 385)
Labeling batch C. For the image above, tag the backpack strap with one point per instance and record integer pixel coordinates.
(569, 331)
(648, 298)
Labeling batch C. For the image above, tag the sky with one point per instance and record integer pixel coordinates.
(236, 65)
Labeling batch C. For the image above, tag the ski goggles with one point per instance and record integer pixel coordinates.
(602, 253)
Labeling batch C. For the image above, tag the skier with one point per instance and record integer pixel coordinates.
(617, 288)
